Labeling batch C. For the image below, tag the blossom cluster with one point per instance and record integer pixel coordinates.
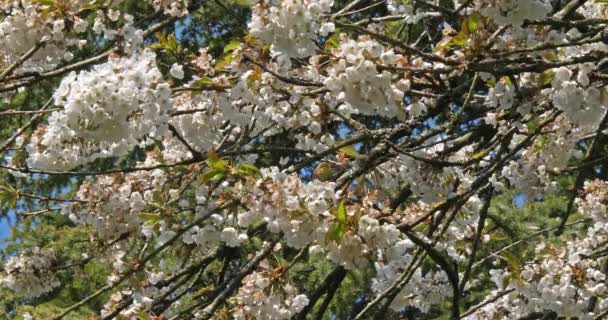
(582, 104)
(218, 230)
(175, 8)
(291, 26)
(566, 279)
(263, 295)
(406, 9)
(595, 202)
(112, 204)
(301, 211)
(31, 274)
(305, 214)
(428, 182)
(360, 86)
(514, 12)
(25, 26)
(562, 280)
(423, 290)
(106, 112)
(142, 299)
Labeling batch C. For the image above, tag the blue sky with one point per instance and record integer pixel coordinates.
(5, 223)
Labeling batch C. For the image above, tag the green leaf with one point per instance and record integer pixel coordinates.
(172, 43)
(150, 218)
(158, 205)
(341, 216)
(473, 23)
(333, 41)
(218, 176)
(212, 175)
(156, 46)
(335, 233)
(231, 46)
(224, 61)
(547, 76)
(250, 40)
(165, 42)
(203, 82)
(480, 154)
(459, 40)
(247, 169)
(338, 228)
(218, 165)
(46, 2)
(422, 227)
(350, 151)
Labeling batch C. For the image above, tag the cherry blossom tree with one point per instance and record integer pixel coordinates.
(304, 159)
